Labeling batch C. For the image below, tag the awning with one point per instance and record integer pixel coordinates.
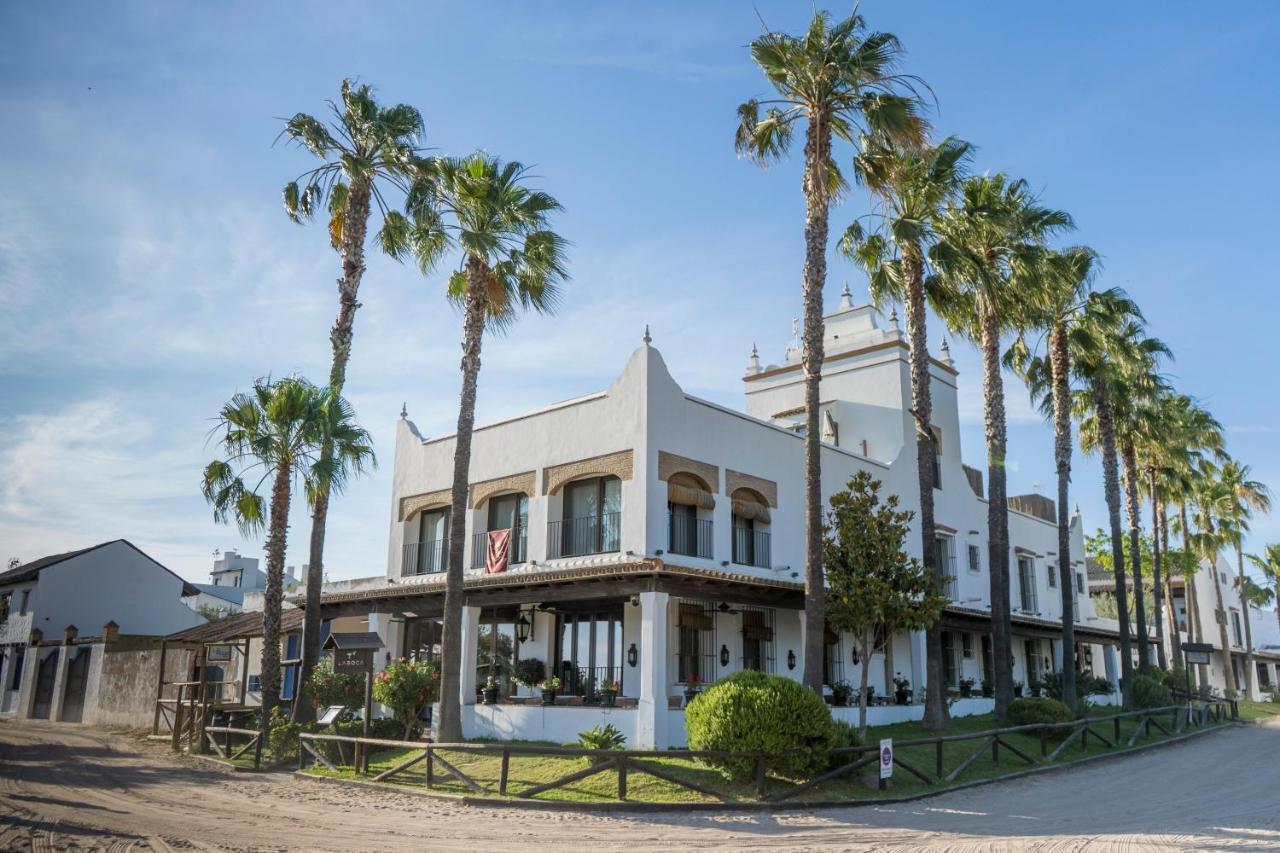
(750, 509)
(693, 616)
(690, 496)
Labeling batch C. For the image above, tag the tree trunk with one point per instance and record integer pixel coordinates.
(354, 228)
(273, 595)
(997, 516)
(936, 714)
(1111, 483)
(1248, 630)
(1194, 622)
(864, 649)
(1175, 636)
(1133, 509)
(817, 150)
(1220, 616)
(1060, 367)
(1157, 588)
(449, 729)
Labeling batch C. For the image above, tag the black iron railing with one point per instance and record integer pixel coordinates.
(751, 548)
(516, 547)
(689, 536)
(592, 534)
(587, 682)
(422, 558)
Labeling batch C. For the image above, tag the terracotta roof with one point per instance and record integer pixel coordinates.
(1039, 621)
(29, 571)
(237, 626)
(435, 583)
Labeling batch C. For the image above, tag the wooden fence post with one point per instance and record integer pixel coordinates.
(760, 777)
(506, 769)
(941, 769)
(622, 778)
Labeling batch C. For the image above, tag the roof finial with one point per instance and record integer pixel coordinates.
(946, 354)
(404, 410)
(753, 363)
(846, 298)
(893, 322)
(647, 338)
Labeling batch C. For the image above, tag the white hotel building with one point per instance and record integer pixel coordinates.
(656, 536)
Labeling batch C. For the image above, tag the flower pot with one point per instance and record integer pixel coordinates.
(548, 697)
(689, 693)
(965, 692)
(491, 696)
(608, 698)
(902, 697)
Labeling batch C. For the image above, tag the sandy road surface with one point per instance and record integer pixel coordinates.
(70, 788)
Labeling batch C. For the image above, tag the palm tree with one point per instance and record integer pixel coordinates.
(988, 254)
(911, 186)
(276, 432)
(510, 260)
(365, 149)
(1067, 275)
(838, 79)
(1269, 565)
(1126, 353)
(1246, 496)
(1214, 503)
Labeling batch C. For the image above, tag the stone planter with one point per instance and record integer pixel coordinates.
(608, 698)
(548, 697)
(491, 696)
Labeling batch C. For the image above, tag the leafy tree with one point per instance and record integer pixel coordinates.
(211, 613)
(275, 433)
(989, 253)
(1269, 565)
(911, 185)
(874, 590)
(1246, 497)
(837, 79)
(406, 687)
(510, 260)
(366, 150)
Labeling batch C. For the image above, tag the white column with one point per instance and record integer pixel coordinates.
(919, 653)
(27, 689)
(6, 670)
(470, 645)
(1109, 665)
(651, 715)
(59, 684)
(1055, 653)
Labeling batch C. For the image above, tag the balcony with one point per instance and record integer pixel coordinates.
(689, 536)
(577, 537)
(516, 548)
(424, 558)
(751, 548)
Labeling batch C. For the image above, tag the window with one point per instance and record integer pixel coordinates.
(687, 534)
(696, 636)
(255, 684)
(591, 518)
(422, 639)
(506, 512)
(24, 601)
(757, 640)
(975, 558)
(936, 461)
(4, 606)
(19, 658)
(832, 659)
(1052, 572)
(292, 652)
(431, 552)
(1027, 584)
(966, 645)
(1235, 627)
(1079, 582)
(1031, 650)
(497, 649)
(750, 513)
(988, 658)
(950, 659)
(945, 557)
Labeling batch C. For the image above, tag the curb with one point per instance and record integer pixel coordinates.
(561, 805)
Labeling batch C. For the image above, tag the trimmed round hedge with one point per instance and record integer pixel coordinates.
(1146, 691)
(1025, 712)
(754, 712)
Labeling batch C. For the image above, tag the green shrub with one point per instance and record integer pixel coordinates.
(405, 687)
(1146, 691)
(282, 737)
(843, 734)
(755, 712)
(335, 688)
(528, 671)
(601, 737)
(1025, 712)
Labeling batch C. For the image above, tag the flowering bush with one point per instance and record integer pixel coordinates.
(335, 688)
(405, 687)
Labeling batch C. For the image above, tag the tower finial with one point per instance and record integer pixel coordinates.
(753, 363)
(846, 298)
(946, 354)
(404, 410)
(647, 338)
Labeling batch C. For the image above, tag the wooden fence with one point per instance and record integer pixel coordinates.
(1104, 732)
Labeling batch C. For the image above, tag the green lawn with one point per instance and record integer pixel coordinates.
(1259, 710)
(528, 770)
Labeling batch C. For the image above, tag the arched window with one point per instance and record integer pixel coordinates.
(431, 552)
(505, 512)
(687, 533)
(591, 518)
(750, 529)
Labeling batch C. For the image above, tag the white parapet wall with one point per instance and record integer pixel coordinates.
(557, 723)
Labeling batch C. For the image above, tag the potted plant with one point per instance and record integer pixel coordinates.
(901, 689)
(528, 672)
(1017, 688)
(871, 693)
(548, 688)
(691, 687)
(491, 691)
(966, 687)
(608, 693)
(841, 693)
(1034, 687)
(988, 689)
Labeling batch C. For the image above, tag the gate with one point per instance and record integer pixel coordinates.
(77, 681)
(46, 671)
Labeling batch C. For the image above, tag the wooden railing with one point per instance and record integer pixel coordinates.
(253, 740)
(1104, 732)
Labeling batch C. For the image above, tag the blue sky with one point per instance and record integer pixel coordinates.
(147, 271)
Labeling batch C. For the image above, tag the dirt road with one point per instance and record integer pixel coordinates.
(69, 788)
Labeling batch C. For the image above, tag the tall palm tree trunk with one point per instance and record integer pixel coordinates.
(449, 729)
(1157, 588)
(997, 515)
(1248, 630)
(1194, 625)
(1133, 510)
(1111, 486)
(273, 595)
(1220, 616)
(817, 150)
(355, 226)
(1175, 636)
(936, 714)
(1060, 366)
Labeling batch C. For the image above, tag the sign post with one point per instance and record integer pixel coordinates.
(1194, 653)
(353, 655)
(886, 762)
